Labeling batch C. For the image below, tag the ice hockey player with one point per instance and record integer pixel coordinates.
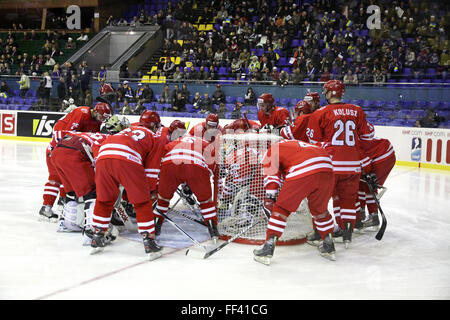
(208, 129)
(82, 119)
(314, 99)
(242, 125)
(122, 160)
(340, 127)
(149, 119)
(188, 160)
(270, 116)
(377, 164)
(297, 130)
(72, 158)
(300, 170)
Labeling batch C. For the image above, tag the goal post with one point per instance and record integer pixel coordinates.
(239, 191)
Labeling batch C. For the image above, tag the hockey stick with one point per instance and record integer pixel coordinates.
(183, 232)
(220, 247)
(380, 233)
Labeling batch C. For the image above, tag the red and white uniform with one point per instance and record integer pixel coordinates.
(297, 130)
(278, 117)
(187, 160)
(122, 160)
(73, 165)
(302, 171)
(200, 131)
(379, 158)
(80, 120)
(341, 127)
(106, 88)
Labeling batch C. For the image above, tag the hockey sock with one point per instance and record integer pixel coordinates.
(102, 214)
(371, 204)
(144, 217)
(208, 210)
(323, 223)
(277, 222)
(51, 190)
(348, 212)
(162, 206)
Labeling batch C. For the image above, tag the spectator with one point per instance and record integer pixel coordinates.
(61, 89)
(165, 95)
(218, 95)
(48, 87)
(196, 101)
(70, 44)
(350, 78)
(120, 92)
(379, 79)
(85, 78)
(73, 89)
(126, 108)
(206, 105)
(221, 111)
(236, 113)
(185, 93)
(283, 78)
(430, 120)
(24, 84)
(128, 92)
(4, 90)
(178, 103)
(250, 97)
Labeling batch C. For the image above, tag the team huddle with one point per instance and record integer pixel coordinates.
(99, 164)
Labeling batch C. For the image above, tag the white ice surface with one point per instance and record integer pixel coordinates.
(411, 262)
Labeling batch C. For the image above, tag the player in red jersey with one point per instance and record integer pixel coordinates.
(302, 171)
(271, 116)
(379, 159)
(340, 127)
(207, 130)
(81, 119)
(242, 125)
(297, 130)
(122, 160)
(149, 119)
(314, 99)
(72, 158)
(188, 160)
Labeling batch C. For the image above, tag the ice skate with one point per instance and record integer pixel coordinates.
(265, 253)
(313, 238)
(347, 234)
(46, 214)
(337, 234)
(326, 248)
(372, 223)
(151, 248)
(212, 228)
(98, 241)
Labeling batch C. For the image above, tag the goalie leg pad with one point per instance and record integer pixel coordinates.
(72, 212)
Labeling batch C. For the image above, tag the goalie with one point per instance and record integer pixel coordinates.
(307, 172)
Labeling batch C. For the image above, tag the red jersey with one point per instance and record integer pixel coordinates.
(199, 130)
(297, 130)
(80, 120)
(375, 150)
(75, 140)
(135, 145)
(190, 150)
(278, 117)
(162, 138)
(106, 88)
(290, 160)
(340, 127)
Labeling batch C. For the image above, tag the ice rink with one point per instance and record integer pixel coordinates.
(412, 261)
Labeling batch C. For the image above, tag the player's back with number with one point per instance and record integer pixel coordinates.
(132, 144)
(339, 126)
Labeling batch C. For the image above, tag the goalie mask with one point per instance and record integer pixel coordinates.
(115, 125)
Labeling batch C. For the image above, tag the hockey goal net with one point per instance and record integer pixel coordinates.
(240, 192)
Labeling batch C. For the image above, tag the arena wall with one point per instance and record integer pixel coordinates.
(416, 147)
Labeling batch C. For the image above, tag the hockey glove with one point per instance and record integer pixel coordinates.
(372, 180)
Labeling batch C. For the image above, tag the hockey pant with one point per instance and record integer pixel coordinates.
(318, 189)
(53, 186)
(198, 180)
(109, 174)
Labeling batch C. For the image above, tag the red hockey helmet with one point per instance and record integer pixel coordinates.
(103, 110)
(336, 87)
(177, 124)
(265, 99)
(212, 120)
(312, 96)
(149, 118)
(303, 106)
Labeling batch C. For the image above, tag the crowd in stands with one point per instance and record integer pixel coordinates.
(293, 41)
